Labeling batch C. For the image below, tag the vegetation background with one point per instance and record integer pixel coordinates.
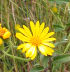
(14, 12)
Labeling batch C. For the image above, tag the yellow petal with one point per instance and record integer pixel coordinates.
(17, 26)
(20, 46)
(48, 35)
(24, 32)
(49, 44)
(43, 49)
(32, 27)
(22, 37)
(37, 24)
(45, 31)
(50, 51)
(49, 39)
(41, 27)
(37, 28)
(1, 41)
(26, 47)
(34, 55)
(31, 52)
(0, 24)
(26, 29)
(6, 35)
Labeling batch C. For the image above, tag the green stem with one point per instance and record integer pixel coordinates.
(67, 47)
(16, 57)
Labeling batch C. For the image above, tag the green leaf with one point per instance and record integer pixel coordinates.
(68, 24)
(58, 28)
(37, 69)
(61, 59)
(56, 67)
(44, 60)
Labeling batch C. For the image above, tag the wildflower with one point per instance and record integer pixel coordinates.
(1, 42)
(4, 33)
(54, 9)
(38, 37)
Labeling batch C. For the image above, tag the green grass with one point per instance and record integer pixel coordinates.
(14, 12)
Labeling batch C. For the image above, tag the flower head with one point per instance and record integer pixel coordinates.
(38, 37)
(54, 9)
(4, 33)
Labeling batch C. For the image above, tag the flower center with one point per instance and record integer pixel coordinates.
(35, 41)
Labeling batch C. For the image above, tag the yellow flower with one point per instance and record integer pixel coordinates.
(4, 33)
(1, 42)
(54, 9)
(38, 37)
